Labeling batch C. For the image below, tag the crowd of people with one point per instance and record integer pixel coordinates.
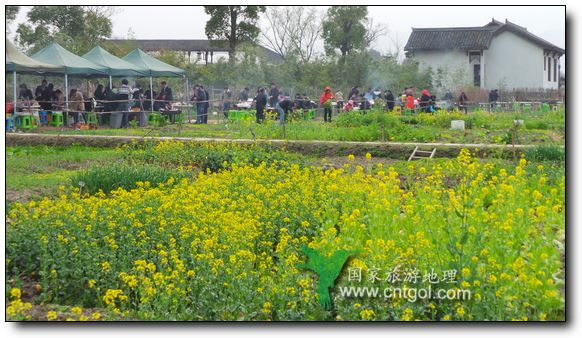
(275, 99)
(111, 98)
(127, 99)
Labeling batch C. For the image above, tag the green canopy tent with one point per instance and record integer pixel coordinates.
(74, 65)
(18, 62)
(154, 68)
(115, 66)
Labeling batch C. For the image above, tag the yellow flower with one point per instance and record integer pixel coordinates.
(91, 283)
(15, 293)
(367, 314)
(267, 308)
(96, 315)
(407, 315)
(351, 157)
(51, 315)
(447, 317)
(461, 311)
(368, 156)
(77, 310)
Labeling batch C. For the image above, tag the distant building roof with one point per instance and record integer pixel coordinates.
(189, 45)
(465, 38)
(470, 38)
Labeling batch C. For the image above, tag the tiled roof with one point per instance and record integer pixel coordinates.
(464, 38)
(470, 38)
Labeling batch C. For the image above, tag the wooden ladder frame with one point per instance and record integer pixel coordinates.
(416, 151)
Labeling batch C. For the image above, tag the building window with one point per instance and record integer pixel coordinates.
(549, 69)
(555, 69)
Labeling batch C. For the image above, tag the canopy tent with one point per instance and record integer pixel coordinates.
(74, 65)
(154, 68)
(115, 66)
(18, 62)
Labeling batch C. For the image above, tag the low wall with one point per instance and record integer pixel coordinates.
(394, 150)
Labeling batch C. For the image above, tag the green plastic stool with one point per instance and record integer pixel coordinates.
(24, 122)
(92, 119)
(527, 108)
(154, 118)
(56, 119)
(515, 107)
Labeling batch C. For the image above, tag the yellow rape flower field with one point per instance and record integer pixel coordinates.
(230, 244)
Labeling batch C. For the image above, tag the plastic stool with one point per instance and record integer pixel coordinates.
(24, 121)
(397, 110)
(9, 122)
(43, 118)
(56, 119)
(92, 119)
(154, 117)
(35, 121)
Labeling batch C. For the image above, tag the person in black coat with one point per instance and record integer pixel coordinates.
(39, 91)
(493, 97)
(273, 95)
(48, 96)
(354, 92)
(424, 101)
(389, 99)
(206, 106)
(261, 103)
(463, 102)
(200, 104)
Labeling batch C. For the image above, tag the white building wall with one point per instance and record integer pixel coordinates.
(454, 61)
(550, 84)
(514, 62)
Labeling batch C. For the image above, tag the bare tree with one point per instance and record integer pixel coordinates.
(309, 22)
(397, 49)
(374, 31)
(277, 35)
(102, 11)
(292, 31)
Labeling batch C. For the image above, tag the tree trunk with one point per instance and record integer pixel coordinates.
(232, 38)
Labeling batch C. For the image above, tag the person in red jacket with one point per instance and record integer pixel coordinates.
(410, 102)
(326, 99)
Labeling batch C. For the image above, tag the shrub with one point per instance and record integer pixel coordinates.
(123, 175)
(536, 124)
(541, 153)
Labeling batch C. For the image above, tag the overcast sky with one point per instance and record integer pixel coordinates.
(187, 22)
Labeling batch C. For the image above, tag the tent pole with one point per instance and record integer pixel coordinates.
(110, 82)
(66, 92)
(187, 100)
(14, 90)
(151, 94)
